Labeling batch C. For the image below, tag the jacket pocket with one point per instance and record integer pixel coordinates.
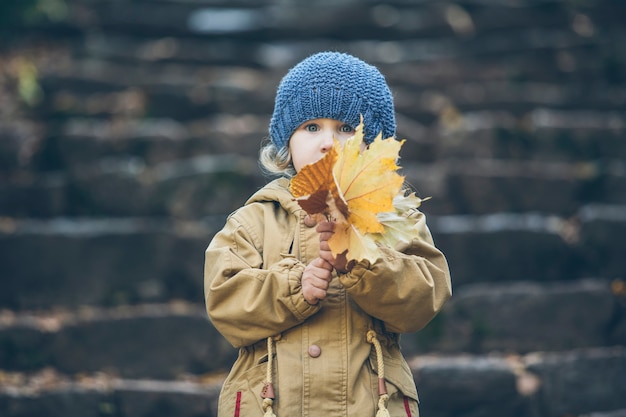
(241, 393)
(403, 398)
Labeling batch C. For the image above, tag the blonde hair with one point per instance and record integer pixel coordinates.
(275, 161)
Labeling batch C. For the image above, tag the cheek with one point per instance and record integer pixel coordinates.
(297, 157)
(342, 137)
(304, 156)
(297, 164)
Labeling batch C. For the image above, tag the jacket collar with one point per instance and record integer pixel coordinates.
(276, 190)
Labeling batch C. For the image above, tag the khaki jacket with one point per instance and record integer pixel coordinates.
(322, 362)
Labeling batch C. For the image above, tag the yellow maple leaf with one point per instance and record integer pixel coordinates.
(351, 185)
(368, 179)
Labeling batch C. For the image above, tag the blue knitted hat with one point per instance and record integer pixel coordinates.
(337, 86)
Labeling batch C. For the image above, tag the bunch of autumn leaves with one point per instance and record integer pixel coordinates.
(361, 191)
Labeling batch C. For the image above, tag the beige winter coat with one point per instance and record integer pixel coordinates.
(323, 365)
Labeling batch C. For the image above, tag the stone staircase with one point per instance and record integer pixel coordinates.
(129, 130)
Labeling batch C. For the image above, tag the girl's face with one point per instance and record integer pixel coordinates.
(312, 139)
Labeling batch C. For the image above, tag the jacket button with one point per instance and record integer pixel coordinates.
(309, 221)
(314, 351)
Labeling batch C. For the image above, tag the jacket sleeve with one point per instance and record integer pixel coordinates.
(406, 286)
(246, 300)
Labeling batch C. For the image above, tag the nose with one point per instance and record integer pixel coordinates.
(326, 142)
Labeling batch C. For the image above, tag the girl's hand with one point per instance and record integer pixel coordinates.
(315, 280)
(340, 263)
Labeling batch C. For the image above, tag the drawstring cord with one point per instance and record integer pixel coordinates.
(268, 388)
(383, 397)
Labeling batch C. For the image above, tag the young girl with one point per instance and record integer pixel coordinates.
(317, 336)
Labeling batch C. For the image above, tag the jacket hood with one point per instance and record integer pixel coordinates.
(277, 190)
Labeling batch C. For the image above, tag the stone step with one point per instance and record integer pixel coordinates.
(62, 175)
(162, 341)
(212, 184)
(75, 262)
(48, 393)
(18, 140)
(217, 183)
(108, 261)
(524, 317)
(487, 89)
(109, 90)
(568, 40)
(484, 186)
(590, 142)
(542, 134)
(576, 76)
(268, 21)
(586, 382)
(167, 340)
(532, 246)
(574, 383)
(187, 90)
(85, 142)
(552, 56)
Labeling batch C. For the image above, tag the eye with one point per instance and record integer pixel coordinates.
(346, 129)
(312, 127)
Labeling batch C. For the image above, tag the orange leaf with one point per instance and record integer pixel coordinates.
(314, 184)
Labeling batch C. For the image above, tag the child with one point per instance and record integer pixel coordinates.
(317, 336)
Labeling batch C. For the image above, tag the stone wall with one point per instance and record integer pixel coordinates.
(129, 130)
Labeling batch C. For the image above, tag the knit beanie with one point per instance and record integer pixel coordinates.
(337, 86)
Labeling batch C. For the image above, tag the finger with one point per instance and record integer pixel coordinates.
(327, 256)
(318, 294)
(323, 264)
(317, 283)
(324, 236)
(310, 297)
(322, 282)
(325, 227)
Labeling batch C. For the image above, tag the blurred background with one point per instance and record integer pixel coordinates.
(129, 130)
